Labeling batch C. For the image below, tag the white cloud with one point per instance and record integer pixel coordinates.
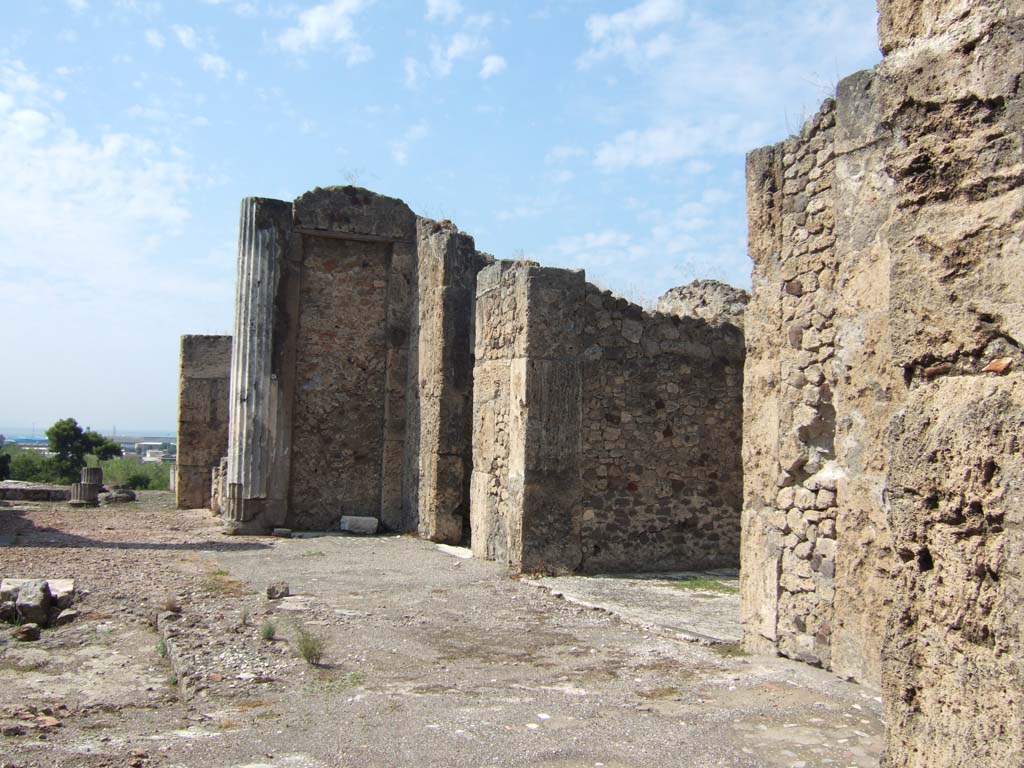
(563, 153)
(400, 149)
(87, 231)
(462, 45)
(154, 39)
(215, 65)
(674, 140)
(619, 34)
(443, 10)
(186, 36)
(78, 6)
(492, 65)
(412, 71)
(328, 23)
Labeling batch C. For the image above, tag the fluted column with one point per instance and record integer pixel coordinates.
(257, 473)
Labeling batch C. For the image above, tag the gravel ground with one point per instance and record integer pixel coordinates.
(427, 660)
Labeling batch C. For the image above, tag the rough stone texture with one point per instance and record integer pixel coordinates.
(525, 440)
(954, 683)
(448, 266)
(709, 300)
(661, 433)
(603, 438)
(914, 208)
(791, 472)
(33, 601)
(204, 391)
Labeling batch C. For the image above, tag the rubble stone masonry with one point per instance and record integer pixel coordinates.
(605, 438)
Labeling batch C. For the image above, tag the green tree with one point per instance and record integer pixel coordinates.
(5, 460)
(70, 444)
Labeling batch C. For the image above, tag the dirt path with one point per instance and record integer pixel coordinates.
(428, 659)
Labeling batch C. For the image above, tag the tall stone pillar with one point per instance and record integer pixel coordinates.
(448, 265)
(260, 408)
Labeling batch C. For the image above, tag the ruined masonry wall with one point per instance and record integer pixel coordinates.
(446, 312)
(915, 315)
(605, 439)
(661, 426)
(203, 397)
(790, 566)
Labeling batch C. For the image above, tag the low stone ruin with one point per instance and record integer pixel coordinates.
(34, 604)
(604, 438)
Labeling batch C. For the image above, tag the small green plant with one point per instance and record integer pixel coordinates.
(267, 630)
(729, 650)
(244, 617)
(309, 646)
(137, 481)
(161, 648)
(172, 681)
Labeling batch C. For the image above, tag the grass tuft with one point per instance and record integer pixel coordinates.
(309, 645)
(267, 630)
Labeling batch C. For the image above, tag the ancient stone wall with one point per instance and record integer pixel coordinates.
(605, 439)
(661, 431)
(203, 397)
(323, 319)
(917, 196)
(789, 555)
(446, 312)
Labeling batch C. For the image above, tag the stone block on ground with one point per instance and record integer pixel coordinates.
(33, 601)
(277, 590)
(64, 617)
(366, 526)
(26, 632)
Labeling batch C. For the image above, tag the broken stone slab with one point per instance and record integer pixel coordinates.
(365, 526)
(34, 601)
(62, 591)
(282, 533)
(277, 590)
(26, 632)
(64, 617)
(465, 553)
(119, 496)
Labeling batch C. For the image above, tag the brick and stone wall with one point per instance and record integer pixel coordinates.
(203, 396)
(911, 427)
(605, 439)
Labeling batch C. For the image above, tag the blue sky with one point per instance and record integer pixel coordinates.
(602, 135)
